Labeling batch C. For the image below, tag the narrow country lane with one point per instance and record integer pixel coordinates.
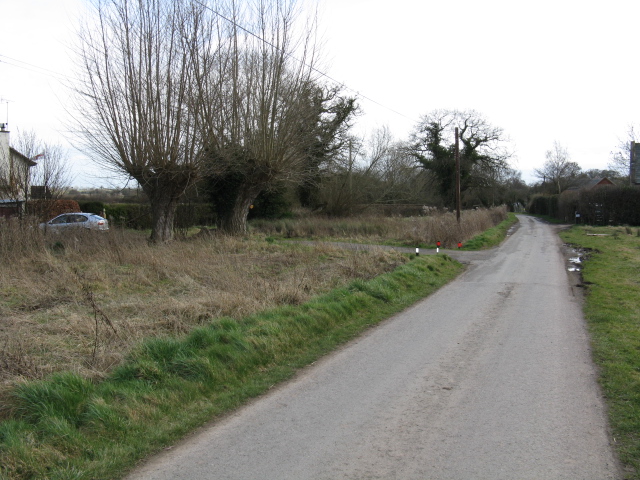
(489, 378)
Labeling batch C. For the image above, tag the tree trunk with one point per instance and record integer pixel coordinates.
(235, 221)
(163, 212)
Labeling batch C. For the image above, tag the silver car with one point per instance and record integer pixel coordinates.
(67, 221)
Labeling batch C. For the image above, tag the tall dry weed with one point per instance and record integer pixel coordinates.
(19, 238)
(80, 301)
(438, 226)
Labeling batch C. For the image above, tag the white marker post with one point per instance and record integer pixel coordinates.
(417, 251)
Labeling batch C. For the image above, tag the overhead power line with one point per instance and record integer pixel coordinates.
(61, 77)
(323, 74)
(14, 62)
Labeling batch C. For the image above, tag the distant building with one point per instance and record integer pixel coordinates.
(597, 182)
(590, 184)
(14, 176)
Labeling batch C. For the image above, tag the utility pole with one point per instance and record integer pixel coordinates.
(457, 154)
(632, 163)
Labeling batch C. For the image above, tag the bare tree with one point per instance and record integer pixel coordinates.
(14, 173)
(258, 102)
(26, 162)
(138, 63)
(392, 169)
(50, 177)
(558, 169)
(378, 170)
(620, 161)
(344, 180)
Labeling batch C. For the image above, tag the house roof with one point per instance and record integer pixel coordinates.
(598, 181)
(22, 157)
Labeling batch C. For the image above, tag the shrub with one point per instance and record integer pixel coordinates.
(130, 215)
(138, 216)
(92, 207)
(544, 205)
(47, 209)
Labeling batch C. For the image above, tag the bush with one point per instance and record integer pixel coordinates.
(129, 215)
(47, 209)
(192, 214)
(92, 207)
(544, 205)
(138, 217)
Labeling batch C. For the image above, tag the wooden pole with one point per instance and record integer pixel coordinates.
(632, 164)
(457, 153)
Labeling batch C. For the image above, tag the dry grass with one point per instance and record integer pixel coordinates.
(80, 302)
(412, 231)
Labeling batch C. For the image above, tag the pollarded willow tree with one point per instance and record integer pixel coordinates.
(483, 150)
(172, 91)
(259, 103)
(138, 65)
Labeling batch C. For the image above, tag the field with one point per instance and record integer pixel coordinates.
(111, 349)
(80, 304)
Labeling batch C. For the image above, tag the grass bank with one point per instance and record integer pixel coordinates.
(612, 310)
(68, 426)
(493, 236)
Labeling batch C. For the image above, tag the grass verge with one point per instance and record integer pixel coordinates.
(612, 310)
(67, 426)
(493, 236)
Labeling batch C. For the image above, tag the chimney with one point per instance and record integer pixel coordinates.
(4, 145)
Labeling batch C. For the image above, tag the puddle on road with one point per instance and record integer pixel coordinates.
(513, 229)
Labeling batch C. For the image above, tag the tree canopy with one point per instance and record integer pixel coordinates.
(484, 152)
(558, 170)
(172, 91)
(138, 65)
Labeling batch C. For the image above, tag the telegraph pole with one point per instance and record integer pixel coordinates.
(632, 164)
(457, 153)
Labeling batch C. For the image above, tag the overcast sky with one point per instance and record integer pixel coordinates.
(544, 71)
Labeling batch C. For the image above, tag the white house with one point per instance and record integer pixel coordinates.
(14, 176)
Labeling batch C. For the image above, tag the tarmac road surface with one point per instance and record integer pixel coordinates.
(489, 378)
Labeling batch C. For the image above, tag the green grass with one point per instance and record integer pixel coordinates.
(612, 309)
(67, 427)
(492, 237)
